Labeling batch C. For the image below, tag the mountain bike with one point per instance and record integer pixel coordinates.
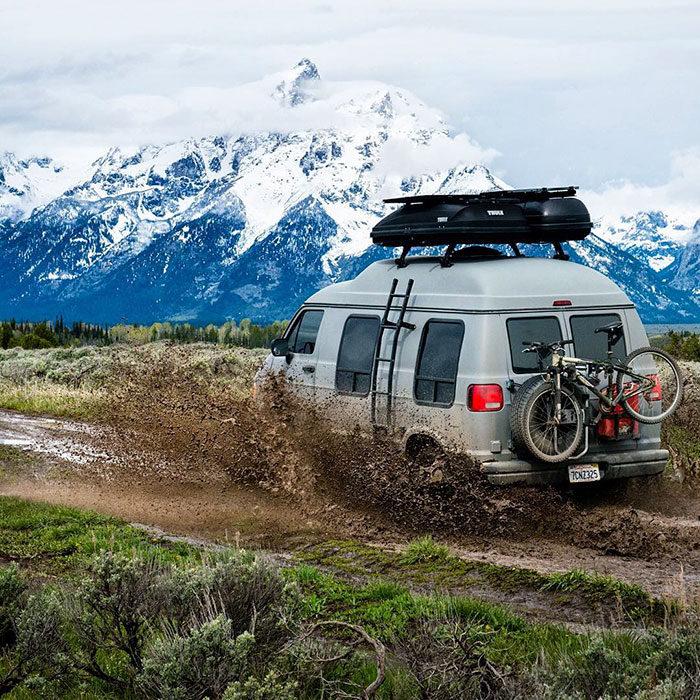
(551, 412)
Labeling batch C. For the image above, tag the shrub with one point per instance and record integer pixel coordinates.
(679, 661)
(271, 687)
(114, 610)
(41, 652)
(247, 589)
(447, 660)
(13, 592)
(199, 664)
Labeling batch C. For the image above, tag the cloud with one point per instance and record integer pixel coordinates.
(567, 92)
(403, 157)
(679, 196)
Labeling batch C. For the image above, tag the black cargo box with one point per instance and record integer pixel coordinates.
(545, 215)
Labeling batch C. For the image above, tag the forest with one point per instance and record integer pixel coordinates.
(50, 334)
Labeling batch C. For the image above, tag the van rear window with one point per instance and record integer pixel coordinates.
(544, 329)
(436, 373)
(591, 345)
(354, 367)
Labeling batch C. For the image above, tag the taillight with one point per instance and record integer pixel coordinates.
(656, 392)
(562, 302)
(485, 397)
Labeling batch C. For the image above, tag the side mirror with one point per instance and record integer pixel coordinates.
(280, 347)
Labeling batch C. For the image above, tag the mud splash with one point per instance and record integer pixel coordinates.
(190, 429)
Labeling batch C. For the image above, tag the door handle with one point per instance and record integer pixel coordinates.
(309, 369)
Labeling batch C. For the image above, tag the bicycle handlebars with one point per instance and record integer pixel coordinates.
(536, 346)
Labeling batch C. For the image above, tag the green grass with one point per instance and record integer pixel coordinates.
(431, 565)
(12, 456)
(58, 542)
(425, 549)
(390, 612)
(48, 398)
(51, 540)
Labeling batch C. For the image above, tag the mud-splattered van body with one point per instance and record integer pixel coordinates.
(459, 359)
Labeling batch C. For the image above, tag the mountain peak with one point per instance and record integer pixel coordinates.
(291, 88)
(307, 70)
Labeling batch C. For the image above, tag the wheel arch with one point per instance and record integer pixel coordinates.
(414, 438)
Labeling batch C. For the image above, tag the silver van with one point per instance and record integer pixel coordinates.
(433, 353)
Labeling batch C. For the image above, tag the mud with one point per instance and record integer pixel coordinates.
(178, 450)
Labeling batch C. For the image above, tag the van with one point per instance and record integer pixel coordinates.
(431, 350)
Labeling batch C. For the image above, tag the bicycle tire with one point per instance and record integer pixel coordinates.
(675, 401)
(522, 407)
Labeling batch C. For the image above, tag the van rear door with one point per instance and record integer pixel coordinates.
(543, 327)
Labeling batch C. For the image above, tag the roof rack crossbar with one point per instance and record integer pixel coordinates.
(524, 195)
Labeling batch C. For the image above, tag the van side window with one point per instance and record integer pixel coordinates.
(591, 345)
(302, 336)
(354, 367)
(545, 329)
(438, 357)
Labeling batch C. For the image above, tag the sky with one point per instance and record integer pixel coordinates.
(602, 94)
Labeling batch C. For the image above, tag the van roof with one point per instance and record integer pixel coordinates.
(478, 284)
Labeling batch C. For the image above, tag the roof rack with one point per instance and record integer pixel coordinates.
(550, 215)
(520, 196)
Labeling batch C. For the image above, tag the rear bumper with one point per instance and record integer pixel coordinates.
(620, 465)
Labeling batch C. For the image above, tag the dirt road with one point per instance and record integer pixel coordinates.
(644, 533)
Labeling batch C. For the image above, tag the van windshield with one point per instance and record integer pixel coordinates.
(545, 329)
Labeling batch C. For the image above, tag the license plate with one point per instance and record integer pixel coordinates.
(582, 473)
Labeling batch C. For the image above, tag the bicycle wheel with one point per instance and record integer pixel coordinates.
(652, 386)
(535, 424)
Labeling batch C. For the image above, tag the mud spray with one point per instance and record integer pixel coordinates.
(191, 430)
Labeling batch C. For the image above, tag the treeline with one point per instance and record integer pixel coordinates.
(51, 334)
(684, 345)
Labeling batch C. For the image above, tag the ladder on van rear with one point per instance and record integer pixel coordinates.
(394, 326)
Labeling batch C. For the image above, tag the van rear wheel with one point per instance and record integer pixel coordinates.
(535, 424)
(428, 457)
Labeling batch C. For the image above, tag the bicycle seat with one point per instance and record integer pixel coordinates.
(611, 328)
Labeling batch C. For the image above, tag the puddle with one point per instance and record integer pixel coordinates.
(15, 442)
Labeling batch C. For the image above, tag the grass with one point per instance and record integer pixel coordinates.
(390, 612)
(12, 456)
(425, 549)
(57, 541)
(47, 398)
(427, 564)
(76, 382)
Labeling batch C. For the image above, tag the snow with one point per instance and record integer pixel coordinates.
(345, 145)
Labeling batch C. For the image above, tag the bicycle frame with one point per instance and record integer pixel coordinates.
(563, 363)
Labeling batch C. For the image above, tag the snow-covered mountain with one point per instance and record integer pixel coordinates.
(250, 224)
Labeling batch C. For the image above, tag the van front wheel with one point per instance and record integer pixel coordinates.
(550, 435)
